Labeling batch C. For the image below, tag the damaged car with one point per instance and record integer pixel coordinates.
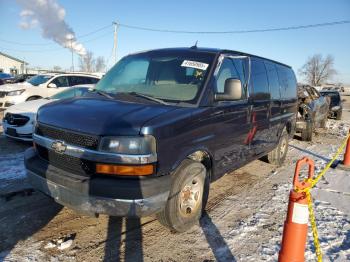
(312, 111)
(335, 104)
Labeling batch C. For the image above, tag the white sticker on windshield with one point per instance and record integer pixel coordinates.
(194, 64)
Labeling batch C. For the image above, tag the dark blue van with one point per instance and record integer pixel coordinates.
(158, 128)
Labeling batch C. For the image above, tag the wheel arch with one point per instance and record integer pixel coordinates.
(200, 155)
(34, 96)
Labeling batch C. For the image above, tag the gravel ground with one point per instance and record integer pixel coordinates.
(243, 220)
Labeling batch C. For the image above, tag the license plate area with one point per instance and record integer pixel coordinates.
(11, 131)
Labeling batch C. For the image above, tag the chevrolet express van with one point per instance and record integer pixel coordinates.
(158, 128)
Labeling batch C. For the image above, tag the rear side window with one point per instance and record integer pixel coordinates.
(61, 81)
(273, 80)
(81, 80)
(93, 80)
(287, 82)
(260, 90)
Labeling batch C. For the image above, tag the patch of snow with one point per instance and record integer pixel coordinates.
(12, 169)
(65, 245)
(338, 128)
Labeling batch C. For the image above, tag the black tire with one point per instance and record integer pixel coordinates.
(33, 98)
(279, 154)
(179, 214)
(306, 134)
(339, 114)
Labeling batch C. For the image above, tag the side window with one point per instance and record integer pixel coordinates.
(287, 82)
(227, 70)
(260, 90)
(61, 81)
(81, 80)
(75, 80)
(93, 80)
(273, 80)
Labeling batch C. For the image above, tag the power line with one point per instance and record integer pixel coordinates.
(55, 49)
(244, 31)
(96, 31)
(47, 44)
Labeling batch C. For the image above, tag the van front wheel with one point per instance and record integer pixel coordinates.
(279, 154)
(187, 197)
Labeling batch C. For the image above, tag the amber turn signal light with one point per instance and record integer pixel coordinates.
(107, 169)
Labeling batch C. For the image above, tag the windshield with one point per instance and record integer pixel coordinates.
(39, 79)
(335, 98)
(172, 76)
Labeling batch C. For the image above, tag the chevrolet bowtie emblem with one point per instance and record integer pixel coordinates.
(59, 147)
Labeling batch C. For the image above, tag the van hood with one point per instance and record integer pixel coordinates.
(99, 116)
(14, 87)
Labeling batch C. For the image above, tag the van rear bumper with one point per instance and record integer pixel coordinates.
(100, 195)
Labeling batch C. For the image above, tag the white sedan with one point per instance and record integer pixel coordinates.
(19, 120)
(40, 86)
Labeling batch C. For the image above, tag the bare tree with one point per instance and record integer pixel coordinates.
(100, 64)
(87, 62)
(57, 68)
(318, 70)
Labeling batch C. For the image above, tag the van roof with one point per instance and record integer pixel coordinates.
(210, 50)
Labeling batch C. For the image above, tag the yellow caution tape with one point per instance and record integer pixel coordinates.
(313, 182)
(314, 227)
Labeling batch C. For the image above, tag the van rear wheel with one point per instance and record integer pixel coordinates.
(187, 197)
(279, 154)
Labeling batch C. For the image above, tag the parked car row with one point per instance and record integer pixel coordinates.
(333, 88)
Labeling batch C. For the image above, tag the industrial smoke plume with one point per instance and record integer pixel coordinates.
(49, 15)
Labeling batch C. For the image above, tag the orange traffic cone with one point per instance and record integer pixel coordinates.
(345, 165)
(295, 226)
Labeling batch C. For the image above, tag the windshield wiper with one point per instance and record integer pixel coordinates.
(102, 93)
(152, 98)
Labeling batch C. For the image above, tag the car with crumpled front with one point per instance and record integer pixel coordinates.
(312, 111)
(335, 104)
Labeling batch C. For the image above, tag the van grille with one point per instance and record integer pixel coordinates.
(73, 138)
(65, 162)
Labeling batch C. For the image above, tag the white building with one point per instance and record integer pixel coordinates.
(12, 65)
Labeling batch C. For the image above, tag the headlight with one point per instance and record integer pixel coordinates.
(142, 145)
(335, 108)
(15, 93)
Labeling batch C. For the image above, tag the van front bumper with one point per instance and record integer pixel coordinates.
(98, 195)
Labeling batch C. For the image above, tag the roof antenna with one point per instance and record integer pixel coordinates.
(195, 45)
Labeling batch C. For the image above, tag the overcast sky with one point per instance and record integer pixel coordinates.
(290, 47)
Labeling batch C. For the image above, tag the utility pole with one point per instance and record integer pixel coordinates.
(115, 24)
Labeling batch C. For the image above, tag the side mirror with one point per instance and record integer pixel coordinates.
(52, 85)
(232, 91)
